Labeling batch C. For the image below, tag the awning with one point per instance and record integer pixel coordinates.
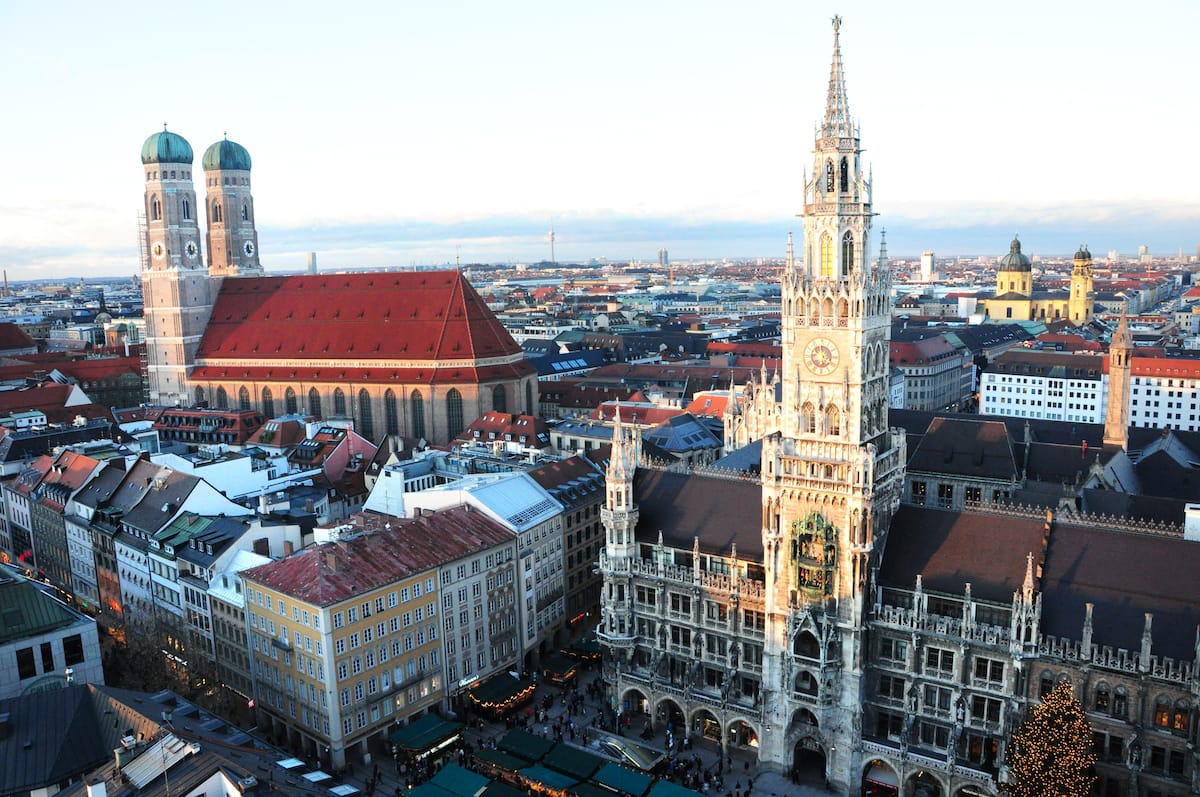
(623, 779)
(573, 761)
(500, 789)
(317, 777)
(502, 692)
(457, 780)
(289, 763)
(501, 760)
(665, 788)
(554, 781)
(425, 735)
(525, 744)
(884, 776)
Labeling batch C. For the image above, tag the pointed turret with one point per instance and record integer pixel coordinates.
(838, 123)
(883, 255)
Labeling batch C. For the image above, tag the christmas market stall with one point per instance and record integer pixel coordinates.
(501, 694)
(544, 781)
(574, 761)
(559, 669)
(623, 780)
(429, 738)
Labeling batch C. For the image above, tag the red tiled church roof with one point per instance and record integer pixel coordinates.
(428, 316)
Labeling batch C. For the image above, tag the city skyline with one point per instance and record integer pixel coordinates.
(426, 133)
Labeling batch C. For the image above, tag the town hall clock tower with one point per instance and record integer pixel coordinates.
(831, 467)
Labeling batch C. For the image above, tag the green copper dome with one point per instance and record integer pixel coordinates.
(1014, 260)
(226, 155)
(166, 147)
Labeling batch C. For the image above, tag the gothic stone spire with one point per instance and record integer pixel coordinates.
(837, 108)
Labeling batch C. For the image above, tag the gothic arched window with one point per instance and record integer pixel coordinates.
(245, 212)
(314, 402)
(391, 418)
(826, 255)
(366, 422)
(199, 396)
(808, 418)
(268, 402)
(833, 420)
(844, 185)
(216, 211)
(454, 413)
(243, 398)
(155, 209)
(499, 399)
(222, 399)
(339, 403)
(290, 405)
(416, 410)
(187, 209)
(828, 175)
(847, 252)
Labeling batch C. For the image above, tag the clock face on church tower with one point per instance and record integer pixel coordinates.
(821, 354)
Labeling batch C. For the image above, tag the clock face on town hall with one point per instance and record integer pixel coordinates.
(821, 354)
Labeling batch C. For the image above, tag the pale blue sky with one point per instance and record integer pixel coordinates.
(398, 132)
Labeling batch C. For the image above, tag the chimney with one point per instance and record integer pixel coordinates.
(262, 546)
(97, 788)
(331, 560)
(288, 548)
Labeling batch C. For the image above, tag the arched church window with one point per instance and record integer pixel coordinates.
(243, 398)
(844, 181)
(814, 311)
(454, 413)
(187, 209)
(391, 418)
(843, 312)
(216, 211)
(416, 411)
(833, 420)
(290, 405)
(268, 402)
(339, 403)
(314, 402)
(847, 252)
(199, 397)
(499, 399)
(815, 543)
(222, 399)
(828, 175)
(155, 209)
(808, 418)
(826, 255)
(245, 212)
(806, 645)
(366, 421)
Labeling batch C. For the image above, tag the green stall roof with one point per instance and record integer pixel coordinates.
(548, 777)
(457, 780)
(623, 779)
(665, 788)
(498, 789)
(525, 744)
(573, 761)
(501, 759)
(424, 733)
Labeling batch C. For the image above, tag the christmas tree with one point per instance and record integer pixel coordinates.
(1052, 753)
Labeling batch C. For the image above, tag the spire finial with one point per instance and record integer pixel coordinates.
(164, 127)
(837, 107)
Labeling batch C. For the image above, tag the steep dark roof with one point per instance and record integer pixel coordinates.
(26, 611)
(62, 730)
(966, 446)
(684, 506)
(950, 549)
(1124, 575)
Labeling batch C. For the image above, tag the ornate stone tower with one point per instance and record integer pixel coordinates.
(1120, 354)
(832, 469)
(175, 284)
(1083, 298)
(232, 240)
(619, 517)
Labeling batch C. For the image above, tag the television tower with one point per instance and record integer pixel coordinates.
(552, 260)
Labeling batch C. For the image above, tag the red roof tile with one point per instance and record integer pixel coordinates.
(13, 337)
(428, 316)
(393, 549)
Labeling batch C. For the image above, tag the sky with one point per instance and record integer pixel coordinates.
(420, 132)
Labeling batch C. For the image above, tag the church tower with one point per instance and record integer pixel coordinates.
(832, 469)
(619, 516)
(175, 284)
(1120, 355)
(1083, 297)
(232, 240)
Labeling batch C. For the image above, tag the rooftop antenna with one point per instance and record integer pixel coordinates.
(457, 249)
